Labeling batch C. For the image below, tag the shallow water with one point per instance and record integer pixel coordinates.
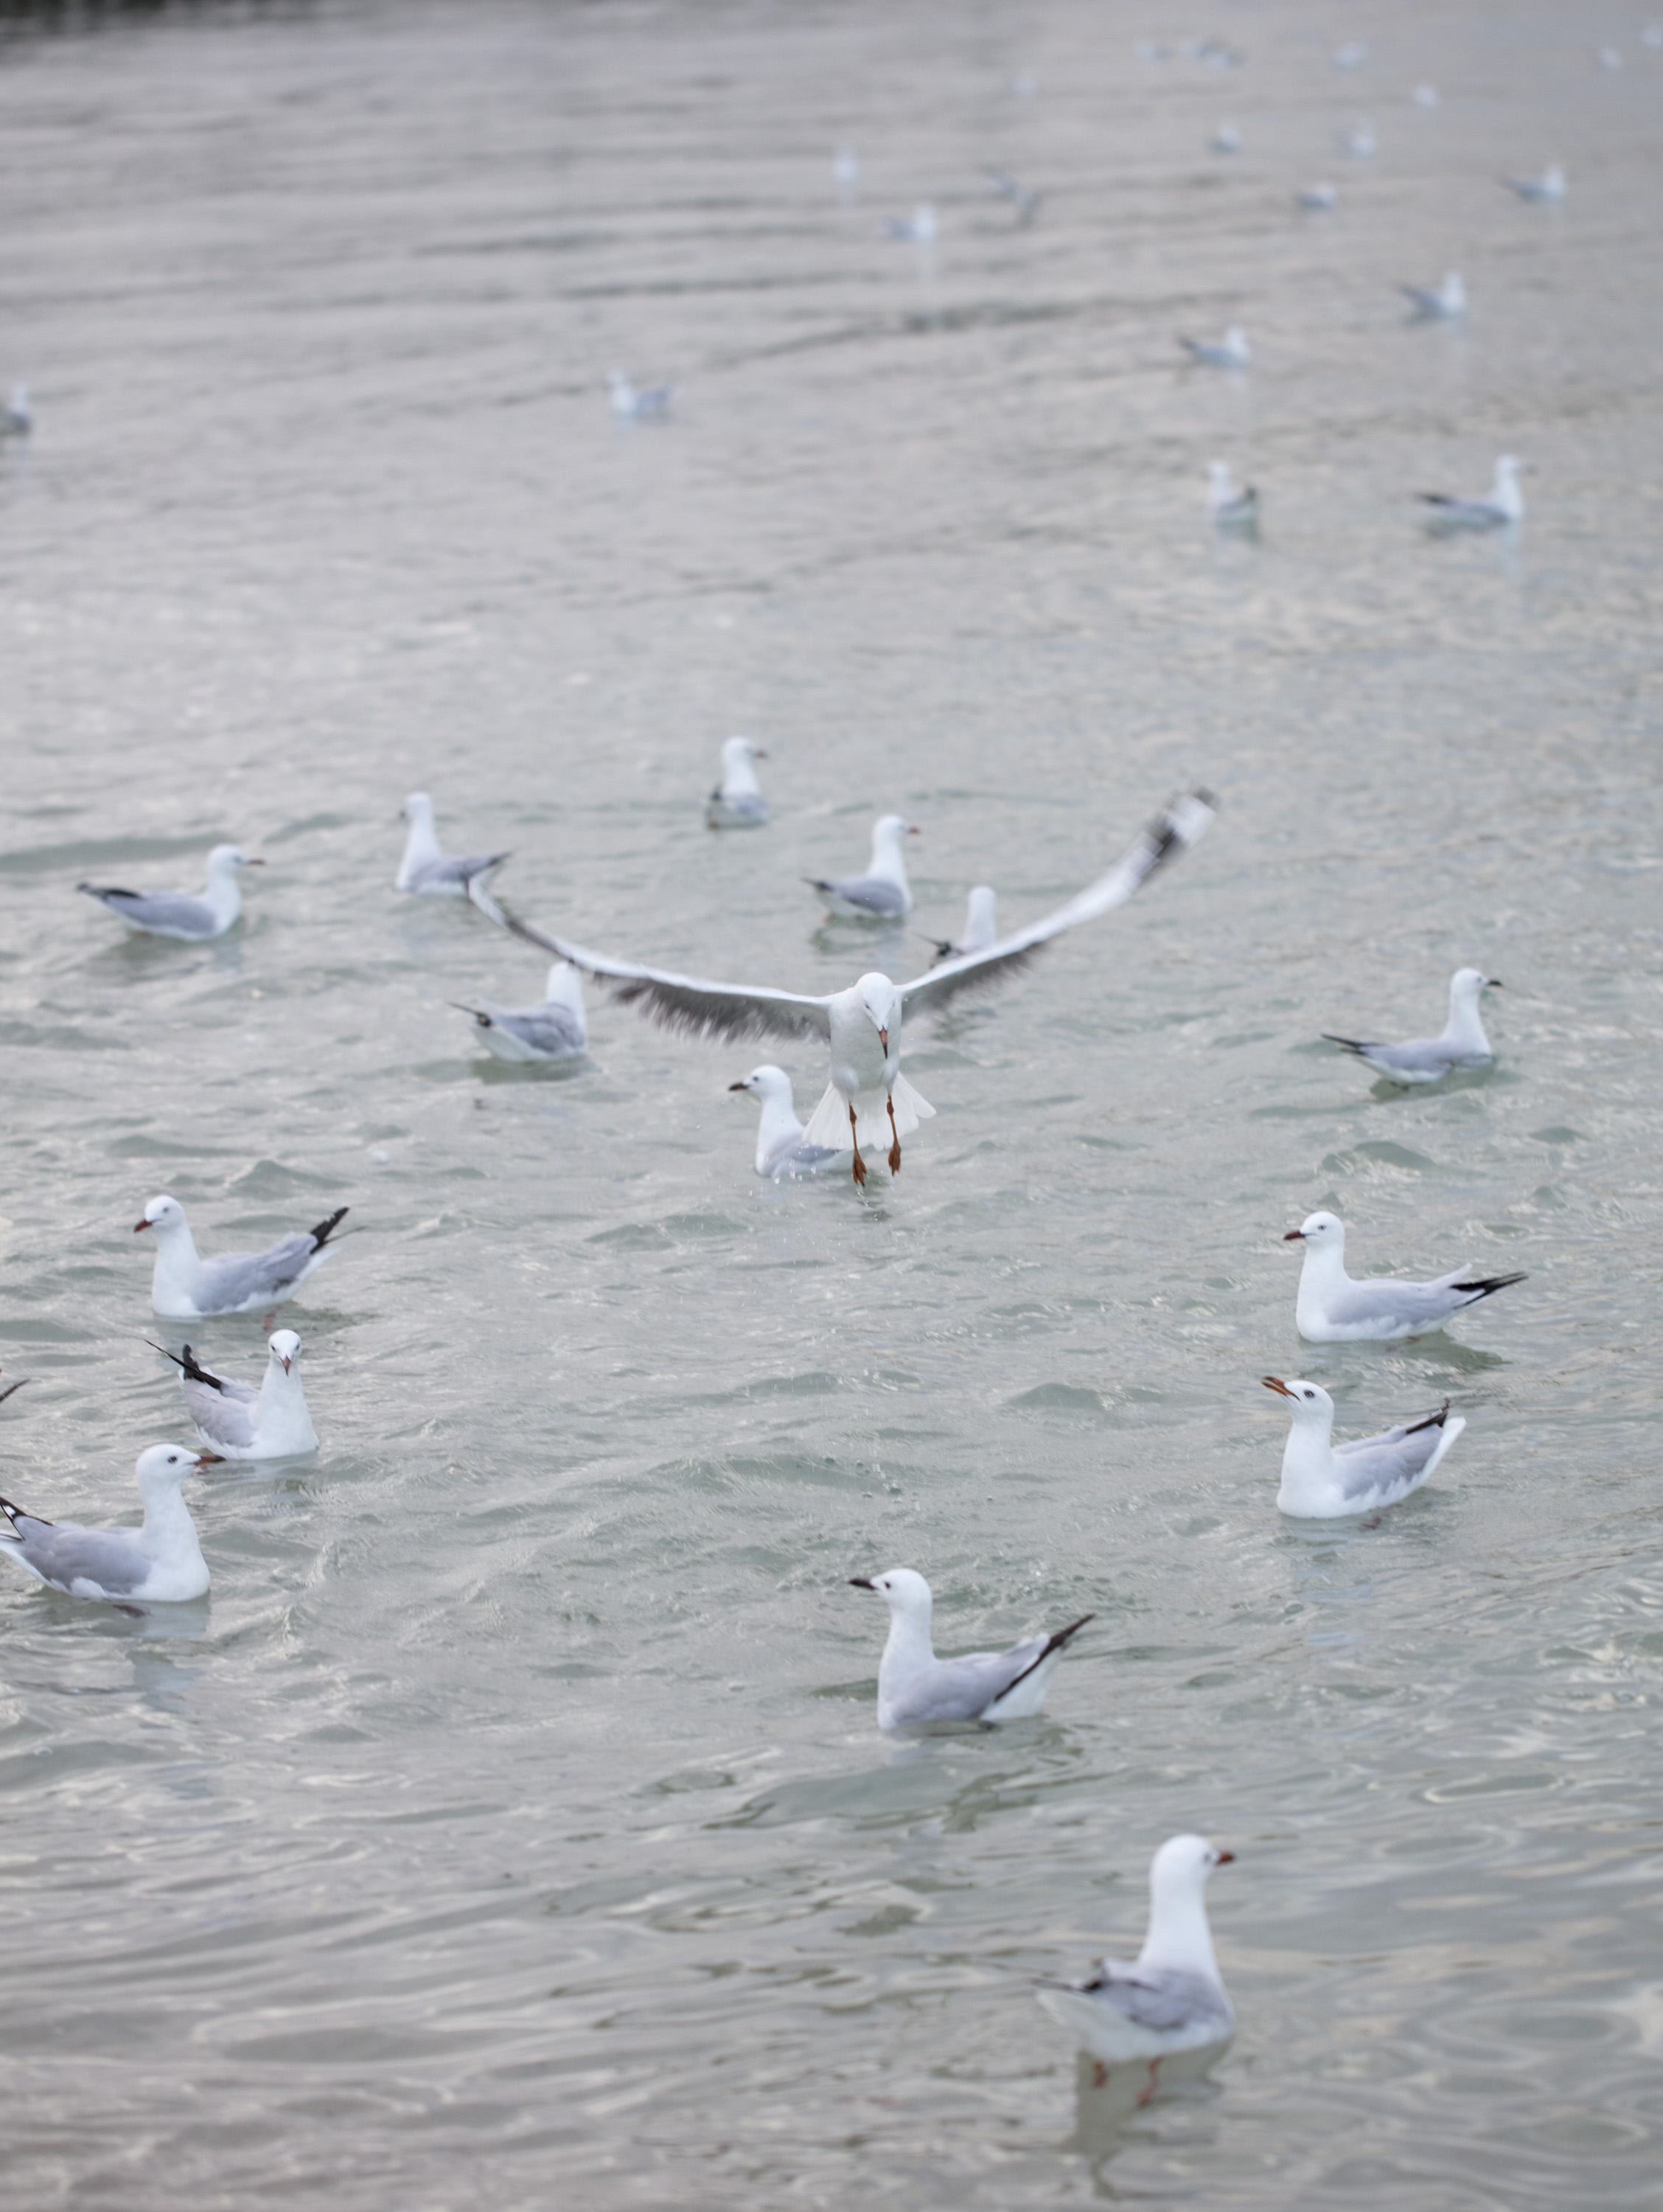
(512, 1819)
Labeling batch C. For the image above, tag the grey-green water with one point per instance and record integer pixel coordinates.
(510, 1825)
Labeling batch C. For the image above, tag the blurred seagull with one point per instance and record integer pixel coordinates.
(1425, 95)
(557, 1029)
(737, 802)
(780, 1150)
(1318, 199)
(1229, 352)
(1322, 1479)
(883, 894)
(1358, 141)
(1172, 2000)
(846, 170)
(430, 873)
(631, 406)
(237, 1420)
(179, 914)
(1231, 509)
(914, 1687)
(1227, 138)
(980, 926)
(161, 1560)
(862, 1025)
(18, 420)
(186, 1288)
(1446, 305)
(1350, 56)
(1023, 197)
(1460, 1044)
(1552, 185)
(920, 228)
(1334, 1308)
(1503, 509)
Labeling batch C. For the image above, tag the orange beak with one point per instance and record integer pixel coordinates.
(884, 1039)
(1293, 1235)
(1225, 1858)
(1275, 1383)
(210, 1459)
(137, 1225)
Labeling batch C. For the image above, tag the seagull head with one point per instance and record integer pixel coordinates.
(162, 1213)
(903, 1589)
(1180, 1867)
(881, 1001)
(737, 750)
(890, 829)
(1467, 982)
(1308, 1401)
(418, 807)
(767, 1082)
(285, 1347)
(164, 1466)
(1318, 1229)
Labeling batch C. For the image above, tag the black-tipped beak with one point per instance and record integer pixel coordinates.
(740, 1086)
(862, 1582)
(137, 1225)
(1223, 1858)
(1275, 1383)
(1293, 1235)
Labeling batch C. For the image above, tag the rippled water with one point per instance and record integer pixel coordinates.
(511, 1824)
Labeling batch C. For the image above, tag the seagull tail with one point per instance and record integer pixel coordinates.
(829, 1123)
(189, 1366)
(1486, 1285)
(1351, 1044)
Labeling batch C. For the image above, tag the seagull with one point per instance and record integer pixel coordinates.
(780, 1150)
(1322, 1479)
(1358, 140)
(186, 1288)
(1350, 56)
(558, 1029)
(845, 170)
(1231, 509)
(920, 228)
(161, 1559)
(241, 1422)
(1318, 199)
(1446, 305)
(430, 873)
(631, 406)
(1333, 1309)
(179, 914)
(1425, 95)
(862, 1025)
(1503, 509)
(1551, 184)
(18, 421)
(1229, 352)
(883, 894)
(1461, 1042)
(914, 1686)
(737, 802)
(1227, 139)
(1023, 197)
(982, 927)
(1171, 1999)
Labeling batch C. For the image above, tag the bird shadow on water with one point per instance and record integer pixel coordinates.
(1113, 2108)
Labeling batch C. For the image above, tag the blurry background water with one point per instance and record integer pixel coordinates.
(512, 1823)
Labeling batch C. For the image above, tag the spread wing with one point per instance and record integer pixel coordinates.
(688, 1003)
(1170, 834)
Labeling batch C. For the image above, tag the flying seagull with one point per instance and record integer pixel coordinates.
(193, 915)
(862, 1025)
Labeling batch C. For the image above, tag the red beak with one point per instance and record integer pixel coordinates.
(1293, 1235)
(884, 1039)
(285, 1363)
(1275, 1383)
(137, 1225)
(1225, 1858)
(210, 1459)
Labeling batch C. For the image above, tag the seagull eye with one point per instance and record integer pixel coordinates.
(1310, 1394)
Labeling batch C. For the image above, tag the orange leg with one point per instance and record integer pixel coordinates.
(1099, 2074)
(1153, 2083)
(895, 1149)
(860, 1165)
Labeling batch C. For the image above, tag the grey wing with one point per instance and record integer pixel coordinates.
(688, 1003)
(225, 1415)
(1172, 832)
(1154, 1998)
(745, 802)
(161, 909)
(236, 1277)
(109, 1557)
(873, 894)
(544, 1028)
(962, 1689)
(1380, 1298)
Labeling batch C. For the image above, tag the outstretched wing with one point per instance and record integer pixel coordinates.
(1171, 833)
(688, 1003)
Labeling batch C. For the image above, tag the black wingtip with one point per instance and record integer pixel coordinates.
(1486, 1283)
(1432, 1421)
(1351, 1044)
(10, 1386)
(320, 1234)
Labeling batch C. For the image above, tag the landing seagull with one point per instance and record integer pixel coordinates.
(161, 1560)
(1460, 1044)
(980, 929)
(241, 1422)
(1504, 508)
(862, 1025)
(186, 1288)
(558, 1029)
(1447, 304)
(431, 873)
(883, 894)
(914, 1687)
(737, 802)
(1171, 2001)
(1229, 352)
(1322, 1479)
(194, 917)
(781, 1149)
(1334, 1308)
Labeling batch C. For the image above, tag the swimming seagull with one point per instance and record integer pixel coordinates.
(558, 1029)
(1023, 197)
(631, 405)
(920, 228)
(1318, 199)
(915, 1687)
(1358, 140)
(1503, 509)
(1460, 1044)
(186, 1288)
(1171, 2001)
(161, 1559)
(18, 420)
(1333, 1309)
(780, 1150)
(863, 1024)
(845, 170)
(195, 917)
(737, 802)
(1425, 95)
(1229, 352)
(241, 1422)
(430, 873)
(1446, 305)
(981, 927)
(1227, 138)
(883, 894)
(1550, 186)
(1231, 509)
(1322, 1479)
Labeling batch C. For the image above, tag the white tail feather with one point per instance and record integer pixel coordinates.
(830, 1124)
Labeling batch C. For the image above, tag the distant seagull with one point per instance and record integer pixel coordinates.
(1425, 95)
(178, 913)
(1216, 55)
(1446, 305)
(1460, 1044)
(781, 1149)
(1652, 36)
(240, 1422)
(1024, 86)
(430, 873)
(845, 171)
(1358, 140)
(920, 228)
(737, 802)
(161, 1560)
(1333, 1309)
(1503, 509)
(914, 1687)
(1608, 58)
(1171, 2001)
(556, 1028)
(1350, 56)
(1229, 352)
(883, 894)
(1322, 1479)
(980, 926)
(18, 420)
(1230, 509)
(1023, 197)
(1227, 138)
(631, 406)
(1318, 199)
(1552, 185)
(186, 1288)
